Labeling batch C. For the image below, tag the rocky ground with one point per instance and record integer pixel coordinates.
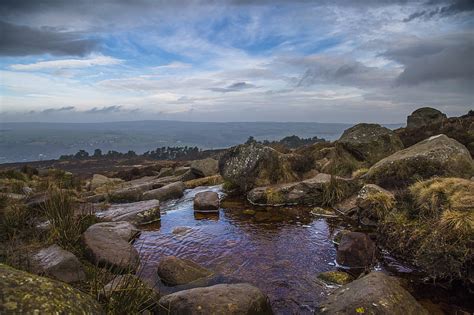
(409, 192)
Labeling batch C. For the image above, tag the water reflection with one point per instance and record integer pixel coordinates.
(279, 250)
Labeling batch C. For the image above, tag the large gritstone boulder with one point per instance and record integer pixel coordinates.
(425, 116)
(205, 168)
(24, 293)
(370, 142)
(251, 165)
(170, 191)
(175, 271)
(374, 293)
(435, 156)
(226, 299)
(142, 212)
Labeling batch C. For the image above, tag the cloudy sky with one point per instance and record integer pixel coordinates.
(325, 61)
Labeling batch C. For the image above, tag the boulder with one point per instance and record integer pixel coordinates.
(108, 244)
(206, 201)
(142, 212)
(227, 299)
(335, 277)
(175, 271)
(374, 293)
(127, 194)
(313, 191)
(370, 142)
(251, 165)
(205, 168)
(58, 263)
(424, 116)
(170, 191)
(166, 171)
(25, 293)
(356, 250)
(373, 204)
(435, 156)
(99, 180)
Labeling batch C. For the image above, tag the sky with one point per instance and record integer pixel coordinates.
(234, 60)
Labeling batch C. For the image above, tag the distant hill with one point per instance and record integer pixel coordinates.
(41, 141)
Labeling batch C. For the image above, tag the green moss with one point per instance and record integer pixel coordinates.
(336, 277)
(273, 197)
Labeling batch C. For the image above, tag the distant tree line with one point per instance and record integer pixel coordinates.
(188, 153)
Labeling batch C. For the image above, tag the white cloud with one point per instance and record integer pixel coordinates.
(67, 63)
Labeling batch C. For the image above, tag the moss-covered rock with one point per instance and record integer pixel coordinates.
(424, 116)
(25, 293)
(435, 156)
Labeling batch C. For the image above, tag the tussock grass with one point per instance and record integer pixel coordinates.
(461, 222)
(335, 191)
(360, 172)
(381, 204)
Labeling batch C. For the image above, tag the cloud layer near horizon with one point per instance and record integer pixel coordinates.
(338, 61)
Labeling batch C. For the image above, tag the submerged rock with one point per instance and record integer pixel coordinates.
(226, 299)
(250, 165)
(356, 250)
(108, 244)
(170, 191)
(425, 116)
(435, 156)
(336, 277)
(206, 201)
(142, 212)
(25, 293)
(374, 293)
(175, 271)
(58, 263)
(370, 142)
(205, 168)
(314, 191)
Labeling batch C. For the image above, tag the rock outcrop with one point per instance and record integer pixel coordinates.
(25, 293)
(374, 293)
(175, 271)
(356, 250)
(142, 212)
(205, 168)
(313, 191)
(369, 142)
(227, 299)
(251, 165)
(108, 244)
(435, 156)
(58, 263)
(424, 116)
(206, 201)
(170, 191)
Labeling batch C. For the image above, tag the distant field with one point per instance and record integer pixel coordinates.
(42, 141)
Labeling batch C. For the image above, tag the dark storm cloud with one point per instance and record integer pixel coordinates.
(237, 86)
(57, 110)
(19, 40)
(446, 8)
(435, 59)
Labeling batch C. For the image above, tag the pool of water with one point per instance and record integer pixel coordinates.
(279, 250)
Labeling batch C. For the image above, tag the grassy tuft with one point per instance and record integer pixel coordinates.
(335, 191)
(360, 172)
(381, 203)
(461, 222)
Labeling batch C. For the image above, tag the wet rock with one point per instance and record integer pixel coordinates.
(99, 180)
(58, 263)
(170, 191)
(336, 277)
(374, 293)
(181, 230)
(250, 165)
(307, 192)
(205, 168)
(435, 156)
(142, 212)
(347, 207)
(204, 181)
(206, 201)
(370, 142)
(356, 250)
(338, 237)
(425, 116)
(45, 296)
(323, 212)
(228, 299)
(108, 244)
(373, 204)
(175, 271)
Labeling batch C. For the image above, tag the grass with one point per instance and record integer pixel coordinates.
(335, 191)
(380, 204)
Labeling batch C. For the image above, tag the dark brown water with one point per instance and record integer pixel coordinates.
(279, 250)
